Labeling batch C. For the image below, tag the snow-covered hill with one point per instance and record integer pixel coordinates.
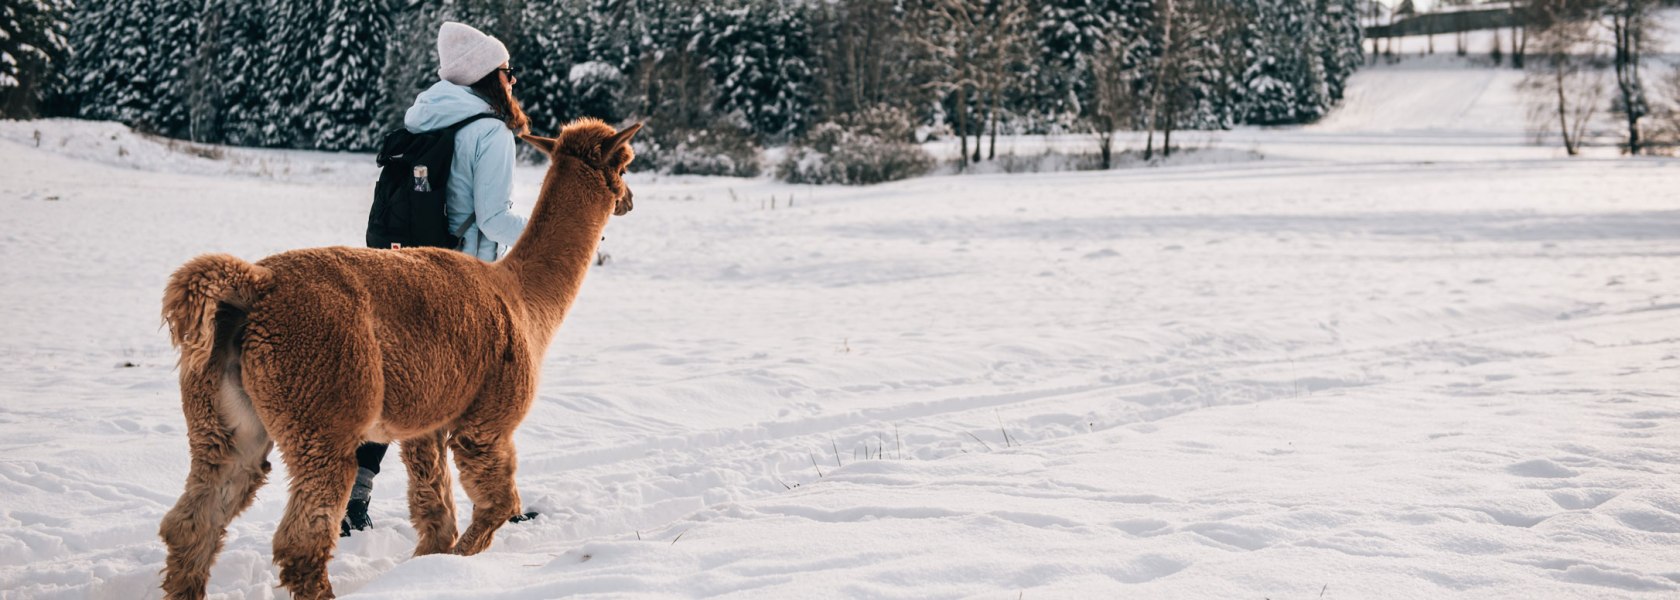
(1386, 361)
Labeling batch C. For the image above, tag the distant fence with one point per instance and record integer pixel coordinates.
(1446, 22)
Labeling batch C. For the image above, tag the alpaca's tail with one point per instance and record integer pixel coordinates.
(197, 291)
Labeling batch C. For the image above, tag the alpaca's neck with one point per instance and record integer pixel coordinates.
(554, 253)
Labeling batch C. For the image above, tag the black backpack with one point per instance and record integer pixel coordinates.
(408, 202)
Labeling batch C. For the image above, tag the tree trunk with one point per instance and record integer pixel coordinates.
(962, 127)
(991, 153)
(1519, 48)
(1633, 134)
(1625, 27)
(1563, 111)
(1163, 71)
(1516, 59)
(1167, 129)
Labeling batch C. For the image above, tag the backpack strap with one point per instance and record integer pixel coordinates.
(463, 122)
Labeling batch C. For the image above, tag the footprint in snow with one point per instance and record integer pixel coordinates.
(1649, 520)
(1541, 467)
(1582, 499)
(1143, 527)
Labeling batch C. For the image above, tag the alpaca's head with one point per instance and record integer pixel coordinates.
(599, 147)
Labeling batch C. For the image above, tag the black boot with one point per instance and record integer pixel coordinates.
(356, 514)
(355, 517)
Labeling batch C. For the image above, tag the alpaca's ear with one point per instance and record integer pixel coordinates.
(546, 145)
(621, 138)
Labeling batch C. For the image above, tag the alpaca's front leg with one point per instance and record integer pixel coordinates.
(486, 461)
(431, 503)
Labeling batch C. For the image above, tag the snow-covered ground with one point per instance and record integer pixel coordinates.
(1404, 355)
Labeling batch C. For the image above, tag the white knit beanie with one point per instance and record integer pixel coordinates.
(466, 55)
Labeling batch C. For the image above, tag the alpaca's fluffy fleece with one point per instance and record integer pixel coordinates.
(323, 348)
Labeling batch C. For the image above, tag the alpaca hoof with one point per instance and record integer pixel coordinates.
(469, 547)
(315, 593)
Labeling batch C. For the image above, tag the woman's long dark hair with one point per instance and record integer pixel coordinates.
(501, 100)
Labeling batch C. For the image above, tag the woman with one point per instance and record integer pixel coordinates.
(475, 80)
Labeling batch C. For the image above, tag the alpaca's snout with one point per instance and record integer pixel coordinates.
(624, 203)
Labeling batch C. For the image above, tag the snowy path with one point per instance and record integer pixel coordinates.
(1369, 377)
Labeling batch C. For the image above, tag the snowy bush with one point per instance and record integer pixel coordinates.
(1050, 161)
(598, 89)
(872, 147)
(717, 150)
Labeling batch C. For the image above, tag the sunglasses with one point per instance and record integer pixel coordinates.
(506, 71)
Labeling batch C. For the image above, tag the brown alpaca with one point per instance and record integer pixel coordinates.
(318, 350)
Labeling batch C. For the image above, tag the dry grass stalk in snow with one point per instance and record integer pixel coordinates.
(319, 350)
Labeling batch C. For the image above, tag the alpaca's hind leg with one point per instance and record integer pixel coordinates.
(431, 502)
(486, 460)
(317, 392)
(322, 472)
(228, 465)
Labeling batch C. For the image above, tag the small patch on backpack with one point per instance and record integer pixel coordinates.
(421, 183)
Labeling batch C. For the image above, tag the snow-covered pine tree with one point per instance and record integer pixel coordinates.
(300, 74)
(33, 48)
(111, 44)
(621, 31)
(291, 62)
(230, 107)
(203, 100)
(1287, 82)
(652, 44)
(1070, 33)
(1268, 93)
(175, 40)
(410, 63)
(1313, 90)
(1344, 49)
(549, 42)
(344, 90)
(597, 89)
(759, 58)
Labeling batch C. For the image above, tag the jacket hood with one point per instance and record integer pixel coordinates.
(443, 105)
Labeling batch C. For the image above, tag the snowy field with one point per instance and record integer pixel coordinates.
(1405, 354)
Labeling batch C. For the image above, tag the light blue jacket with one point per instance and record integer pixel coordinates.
(481, 174)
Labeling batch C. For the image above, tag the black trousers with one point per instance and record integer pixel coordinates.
(370, 454)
